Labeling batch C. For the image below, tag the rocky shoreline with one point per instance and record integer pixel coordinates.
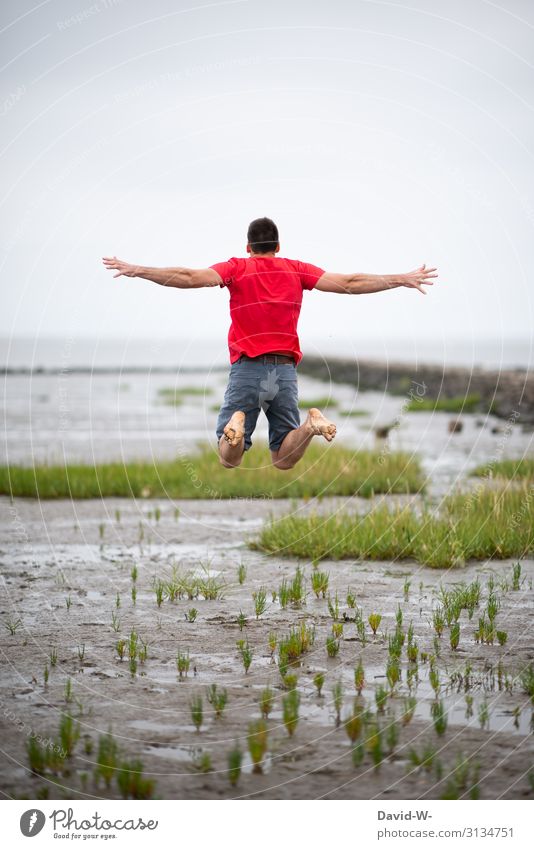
(508, 394)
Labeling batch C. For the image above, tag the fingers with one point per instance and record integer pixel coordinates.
(415, 284)
(423, 271)
(417, 281)
(115, 265)
(112, 262)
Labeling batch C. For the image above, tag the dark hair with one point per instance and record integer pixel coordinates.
(262, 235)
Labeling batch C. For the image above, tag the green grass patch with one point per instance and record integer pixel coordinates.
(458, 404)
(321, 403)
(522, 469)
(490, 523)
(332, 470)
(354, 413)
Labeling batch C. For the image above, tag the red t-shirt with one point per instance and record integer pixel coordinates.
(265, 301)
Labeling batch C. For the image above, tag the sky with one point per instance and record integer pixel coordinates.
(378, 135)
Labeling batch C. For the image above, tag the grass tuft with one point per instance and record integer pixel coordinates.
(333, 471)
(522, 469)
(492, 523)
(457, 404)
(131, 782)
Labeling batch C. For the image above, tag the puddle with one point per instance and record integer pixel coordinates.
(501, 716)
(100, 672)
(499, 720)
(167, 729)
(152, 725)
(322, 714)
(183, 754)
(69, 555)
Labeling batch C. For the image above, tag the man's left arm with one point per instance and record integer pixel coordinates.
(178, 278)
(362, 284)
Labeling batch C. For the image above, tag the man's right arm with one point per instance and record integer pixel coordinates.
(178, 278)
(362, 284)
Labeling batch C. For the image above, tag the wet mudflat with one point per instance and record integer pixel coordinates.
(79, 577)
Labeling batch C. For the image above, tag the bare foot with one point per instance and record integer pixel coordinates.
(234, 431)
(319, 425)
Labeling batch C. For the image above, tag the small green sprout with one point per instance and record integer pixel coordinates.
(318, 681)
(266, 702)
(319, 582)
(246, 654)
(455, 635)
(374, 620)
(337, 697)
(332, 646)
(351, 599)
(260, 601)
(290, 711)
(257, 743)
(197, 714)
(217, 699)
(439, 717)
(235, 758)
(359, 677)
(381, 697)
(183, 663)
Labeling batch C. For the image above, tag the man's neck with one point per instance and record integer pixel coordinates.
(271, 254)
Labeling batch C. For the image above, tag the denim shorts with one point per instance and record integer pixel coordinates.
(257, 385)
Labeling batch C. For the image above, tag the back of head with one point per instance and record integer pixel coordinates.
(262, 236)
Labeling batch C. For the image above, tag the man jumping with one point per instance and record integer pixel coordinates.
(265, 301)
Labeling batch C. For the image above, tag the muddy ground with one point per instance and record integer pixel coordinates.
(84, 550)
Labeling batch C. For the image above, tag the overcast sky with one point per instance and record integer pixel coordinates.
(378, 135)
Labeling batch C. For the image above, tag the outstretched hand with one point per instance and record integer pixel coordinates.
(414, 279)
(124, 269)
